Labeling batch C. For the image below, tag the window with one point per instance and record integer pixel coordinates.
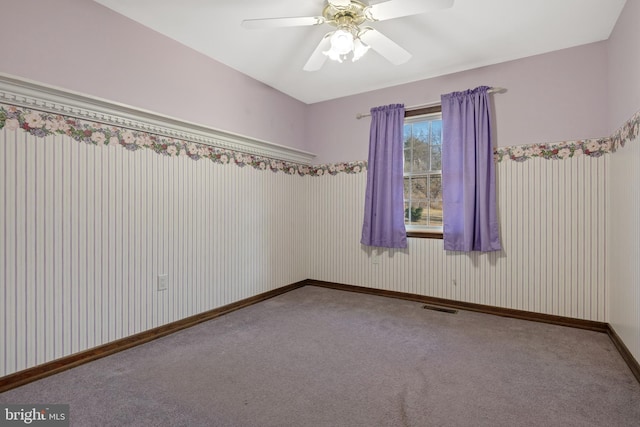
(422, 172)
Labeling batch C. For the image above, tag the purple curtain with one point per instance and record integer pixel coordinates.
(383, 224)
(468, 173)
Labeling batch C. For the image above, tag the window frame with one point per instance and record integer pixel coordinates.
(423, 231)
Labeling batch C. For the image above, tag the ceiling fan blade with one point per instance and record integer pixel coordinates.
(339, 3)
(392, 9)
(384, 46)
(317, 58)
(299, 21)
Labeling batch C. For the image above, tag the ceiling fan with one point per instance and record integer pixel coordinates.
(349, 38)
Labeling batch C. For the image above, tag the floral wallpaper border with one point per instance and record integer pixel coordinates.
(568, 149)
(42, 124)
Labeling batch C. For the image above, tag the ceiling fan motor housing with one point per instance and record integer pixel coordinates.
(346, 16)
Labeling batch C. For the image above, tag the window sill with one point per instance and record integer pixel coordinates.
(425, 234)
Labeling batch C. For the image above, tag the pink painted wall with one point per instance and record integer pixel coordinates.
(624, 66)
(552, 97)
(85, 47)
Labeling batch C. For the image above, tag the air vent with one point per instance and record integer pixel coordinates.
(442, 309)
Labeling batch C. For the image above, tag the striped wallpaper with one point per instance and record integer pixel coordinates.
(624, 245)
(85, 230)
(553, 224)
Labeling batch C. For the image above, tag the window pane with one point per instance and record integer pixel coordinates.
(436, 157)
(417, 143)
(421, 155)
(407, 194)
(418, 212)
(407, 160)
(407, 134)
(436, 132)
(421, 130)
(419, 189)
(435, 213)
(435, 187)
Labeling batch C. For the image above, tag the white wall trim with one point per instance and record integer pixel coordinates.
(29, 94)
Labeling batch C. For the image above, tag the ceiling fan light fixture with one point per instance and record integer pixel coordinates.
(342, 41)
(359, 49)
(333, 55)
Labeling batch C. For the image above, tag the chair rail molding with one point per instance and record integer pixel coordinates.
(37, 96)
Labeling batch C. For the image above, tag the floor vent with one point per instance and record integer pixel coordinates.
(442, 309)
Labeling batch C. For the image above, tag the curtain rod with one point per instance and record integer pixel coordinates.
(431, 104)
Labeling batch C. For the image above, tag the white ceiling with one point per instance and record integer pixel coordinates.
(471, 34)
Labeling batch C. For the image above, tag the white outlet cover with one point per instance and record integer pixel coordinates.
(163, 282)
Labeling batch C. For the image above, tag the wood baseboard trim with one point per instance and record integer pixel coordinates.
(632, 363)
(56, 366)
(481, 308)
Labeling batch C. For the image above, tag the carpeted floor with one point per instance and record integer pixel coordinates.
(322, 357)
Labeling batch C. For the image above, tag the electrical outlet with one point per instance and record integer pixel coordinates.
(454, 283)
(163, 282)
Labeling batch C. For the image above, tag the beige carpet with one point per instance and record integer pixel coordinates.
(322, 357)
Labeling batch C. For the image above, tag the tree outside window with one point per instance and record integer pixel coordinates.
(422, 171)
